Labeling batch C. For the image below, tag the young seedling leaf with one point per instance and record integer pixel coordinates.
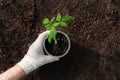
(49, 38)
(52, 19)
(63, 24)
(45, 21)
(55, 24)
(67, 18)
(53, 32)
(48, 26)
(58, 18)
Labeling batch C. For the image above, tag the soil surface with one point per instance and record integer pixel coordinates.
(59, 48)
(95, 37)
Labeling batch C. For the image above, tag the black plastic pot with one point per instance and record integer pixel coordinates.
(61, 48)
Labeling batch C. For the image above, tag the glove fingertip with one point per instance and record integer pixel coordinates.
(53, 58)
(56, 58)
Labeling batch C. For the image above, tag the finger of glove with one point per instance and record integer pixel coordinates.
(36, 46)
(49, 59)
(41, 37)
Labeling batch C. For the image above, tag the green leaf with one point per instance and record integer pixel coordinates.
(48, 26)
(49, 38)
(53, 32)
(45, 21)
(52, 35)
(55, 24)
(67, 18)
(58, 18)
(52, 19)
(63, 24)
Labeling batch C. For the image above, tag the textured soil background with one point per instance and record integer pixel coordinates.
(95, 37)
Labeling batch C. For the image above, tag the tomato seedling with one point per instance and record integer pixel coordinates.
(51, 24)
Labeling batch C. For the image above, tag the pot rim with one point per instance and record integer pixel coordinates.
(69, 45)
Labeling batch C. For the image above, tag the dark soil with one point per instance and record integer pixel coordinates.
(57, 49)
(95, 37)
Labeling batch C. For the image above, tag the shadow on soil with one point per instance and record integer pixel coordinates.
(78, 64)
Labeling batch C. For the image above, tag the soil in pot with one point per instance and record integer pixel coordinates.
(59, 48)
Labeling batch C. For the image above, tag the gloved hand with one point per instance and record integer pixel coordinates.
(35, 56)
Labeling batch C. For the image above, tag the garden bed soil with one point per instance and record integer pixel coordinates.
(94, 34)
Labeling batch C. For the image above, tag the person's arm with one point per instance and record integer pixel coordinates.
(14, 73)
(34, 58)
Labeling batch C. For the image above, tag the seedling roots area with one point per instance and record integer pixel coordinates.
(59, 48)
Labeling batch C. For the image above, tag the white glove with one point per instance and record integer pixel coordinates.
(35, 56)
